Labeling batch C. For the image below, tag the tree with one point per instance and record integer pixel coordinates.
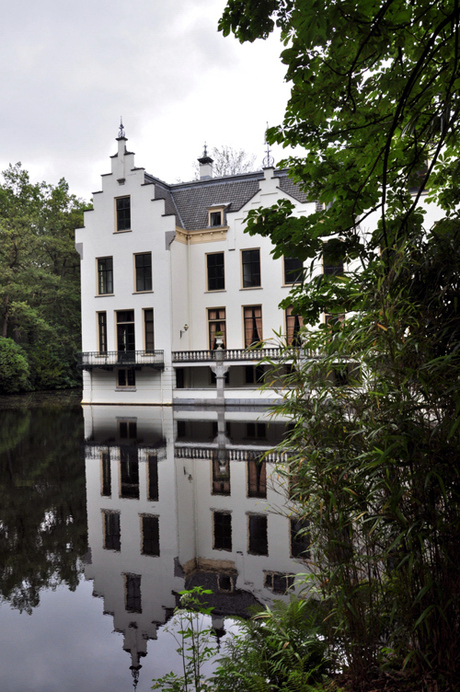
(14, 368)
(229, 161)
(39, 275)
(374, 454)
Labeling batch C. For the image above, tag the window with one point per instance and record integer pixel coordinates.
(125, 336)
(104, 275)
(215, 218)
(215, 268)
(126, 377)
(294, 323)
(143, 272)
(250, 260)
(216, 326)
(333, 257)
(150, 531)
(111, 521)
(106, 475)
(258, 537)
(133, 602)
(127, 429)
(256, 430)
(220, 476)
(254, 374)
(148, 330)
(257, 478)
(222, 531)
(293, 270)
(102, 331)
(278, 582)
(123, 208)
(252, 325)
(300, 538)
(152, 490)
(129, 473)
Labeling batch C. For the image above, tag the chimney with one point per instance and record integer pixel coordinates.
(205, 165)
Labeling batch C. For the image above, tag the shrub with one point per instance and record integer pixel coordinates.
(14, 368)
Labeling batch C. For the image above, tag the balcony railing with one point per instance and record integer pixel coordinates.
(121, 359)
(185, 452)
(240, 354)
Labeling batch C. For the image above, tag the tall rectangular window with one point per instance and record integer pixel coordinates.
(126, 377)
(153, 488)
(129, 473)
(126, 343)
(252, 324)
(111, 520)
(216, 326)
(222, 531)
(294, 323)
(123, 208)
(106, 475)
(300, 538)
(148, 330)
(333, 256)
(293, 270)
(102, 331)
(216, 272)
(257, 478)
(258, 536)
(220, 476)
(250, 260)
(150, 528)
(104, 275)
(133, 603)
(143, 272)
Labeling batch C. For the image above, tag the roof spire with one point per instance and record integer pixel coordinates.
(268, 161)
(205, 164)
(121, 130)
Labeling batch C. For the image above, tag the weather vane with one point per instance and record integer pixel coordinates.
(268, 161)
(121, 129)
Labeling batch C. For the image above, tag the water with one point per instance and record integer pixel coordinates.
(106, 513)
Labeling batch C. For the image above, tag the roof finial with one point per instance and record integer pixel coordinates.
(268, 160)
(205, 151)
(121, 129)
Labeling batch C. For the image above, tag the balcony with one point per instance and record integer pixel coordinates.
(241, 355)
(90, 360)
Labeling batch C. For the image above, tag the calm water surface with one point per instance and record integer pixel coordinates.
(104, 515)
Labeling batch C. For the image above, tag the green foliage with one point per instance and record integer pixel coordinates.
(374, 455)
(39, 276)
(277, 649)
(14, 368)
(193, 640)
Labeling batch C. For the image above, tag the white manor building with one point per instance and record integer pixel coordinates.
(174, 292)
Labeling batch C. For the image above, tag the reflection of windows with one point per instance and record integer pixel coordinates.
(216, 326)
(222, 531)
(220, 476)
(148, 330)
(293, 270)
(225, 583)
(345, 374)
(333, 257)
(129, 473)
(127, 429)
(300, 538)
(257, 478)
(252, 324)
(258, 430)
(250, 260)
(102, 331)
(126, 377)
(278, 582)
(215, 269)
(106, 475)
(111, 530)
(143, 272)
(293, 325)
(104, 275)
(123, 207)
(150, 535)
(258, 536)
(254, 374)
(133, 593)
(153, 493)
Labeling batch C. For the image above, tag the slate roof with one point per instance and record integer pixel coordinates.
(190, 201)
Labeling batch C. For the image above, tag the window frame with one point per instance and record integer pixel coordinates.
(287, 271)
(122, 214)
(104, 277)
(225, 541)
(214, 278)
(154, 520)
(248, 326)
(216, 321)
(102, 333)
(130, 378)
(141, 275)
(250, 283)
(291, 334)
(148, 347)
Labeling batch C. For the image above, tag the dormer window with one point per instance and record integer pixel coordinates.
(215, 218)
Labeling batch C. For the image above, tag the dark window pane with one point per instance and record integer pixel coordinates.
(102, 329)
(215, 218)
(333, 257)
(148, 330)
(106, 475)
(293, 270)
(144, 272)
(251, 268)
(257, 478)
(153, 479)
(150, 536)
(258, 538)
(129, 472)
(105, 275)
(300, 539)
(133, 593)
(123, 213)
(222, 531)
(112, 530)
(216, 276)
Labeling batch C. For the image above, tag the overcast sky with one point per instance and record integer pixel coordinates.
(69, 70)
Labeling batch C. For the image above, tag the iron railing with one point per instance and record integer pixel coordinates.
(120, 359)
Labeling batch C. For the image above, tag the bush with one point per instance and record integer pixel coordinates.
(14, 368)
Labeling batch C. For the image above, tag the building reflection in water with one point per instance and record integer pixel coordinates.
(178, 498)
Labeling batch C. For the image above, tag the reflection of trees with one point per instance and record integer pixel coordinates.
(42, 502)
